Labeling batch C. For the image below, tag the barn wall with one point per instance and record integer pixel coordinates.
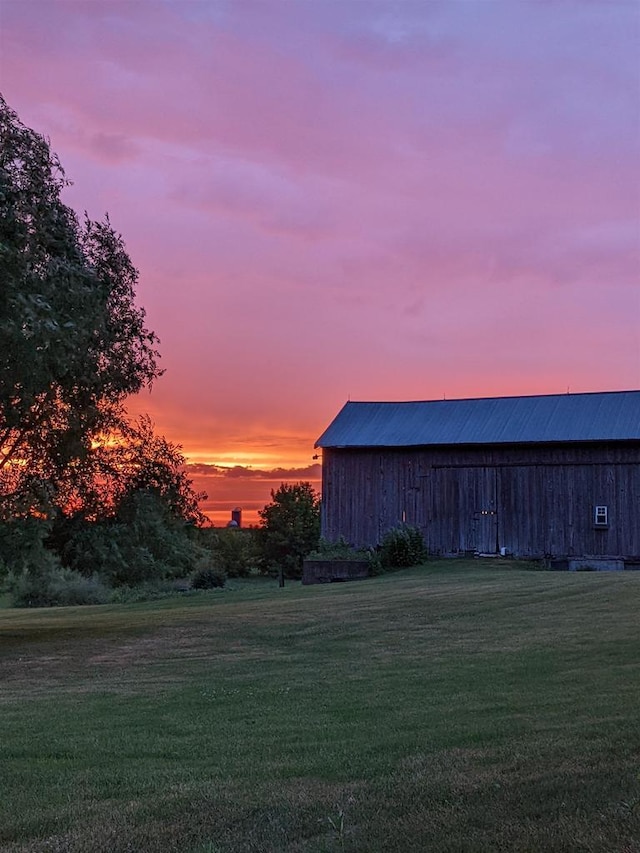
(533, 501)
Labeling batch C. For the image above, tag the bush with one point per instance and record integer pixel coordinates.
(149, 591)
(96, 549)
(208, 577)
(74, 561)
(343, 550)
(55, 586)
(114, 552)
(234, 552)
(340, 550)
(144, 545)
(33, 574)
(22, 545)
(402, 546)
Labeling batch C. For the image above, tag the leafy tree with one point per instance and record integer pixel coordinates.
(154, 464)
(132, 459)
(290, 527)
(78, 481)
(73, 345)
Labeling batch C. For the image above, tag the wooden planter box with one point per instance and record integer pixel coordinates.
(330, 571)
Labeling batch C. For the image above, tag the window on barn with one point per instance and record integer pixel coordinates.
(601, 518)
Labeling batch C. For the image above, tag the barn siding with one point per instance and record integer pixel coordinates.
(533, 501)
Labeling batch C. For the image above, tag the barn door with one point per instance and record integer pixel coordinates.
(463, 510)
(485, 535)
(484, 520)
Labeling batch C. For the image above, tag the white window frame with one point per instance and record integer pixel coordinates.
(601, 516)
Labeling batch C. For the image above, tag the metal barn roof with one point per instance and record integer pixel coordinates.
(605, 416)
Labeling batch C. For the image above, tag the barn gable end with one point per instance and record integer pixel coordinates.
(555, 476)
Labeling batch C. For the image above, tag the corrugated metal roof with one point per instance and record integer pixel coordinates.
(609, 415)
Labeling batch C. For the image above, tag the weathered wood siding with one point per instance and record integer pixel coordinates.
(532, 501)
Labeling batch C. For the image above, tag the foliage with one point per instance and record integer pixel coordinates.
(157, 590)
(143, 542)
(73, 345)
(343, 550)
(97, 548)
(133, 460)
(207, 577)
(234, 551)
(34, 576)
(55, 586)
(22, 545)
(290, 528)
(402, 546)
(339, 550)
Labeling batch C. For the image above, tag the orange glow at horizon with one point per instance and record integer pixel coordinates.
(250, 492)
(235, 461)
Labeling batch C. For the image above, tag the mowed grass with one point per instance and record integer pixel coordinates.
(460, 706)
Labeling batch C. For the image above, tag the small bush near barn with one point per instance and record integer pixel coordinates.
(343, 550)
(401, 547)
(340, 550)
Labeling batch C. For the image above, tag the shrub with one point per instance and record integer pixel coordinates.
(402, 546)
(144, 545)
(55, 586)
(96, 548)
(208, 577)
(343, 550)
(149, 591)
(234, 552)
(340, 550)
(22, 545)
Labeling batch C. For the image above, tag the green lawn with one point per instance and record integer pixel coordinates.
(462, 706)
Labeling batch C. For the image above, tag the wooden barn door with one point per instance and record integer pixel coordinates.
(464, 510)
(484, 517)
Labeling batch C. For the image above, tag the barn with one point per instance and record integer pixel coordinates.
(554, 476)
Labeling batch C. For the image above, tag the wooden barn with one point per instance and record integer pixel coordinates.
(554, 476)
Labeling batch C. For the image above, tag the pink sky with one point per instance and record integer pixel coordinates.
(349, 198)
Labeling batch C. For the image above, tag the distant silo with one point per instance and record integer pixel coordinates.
(236, 515)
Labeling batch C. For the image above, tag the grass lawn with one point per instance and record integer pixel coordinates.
(460, 706)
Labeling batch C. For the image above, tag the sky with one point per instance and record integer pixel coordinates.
(348, 199)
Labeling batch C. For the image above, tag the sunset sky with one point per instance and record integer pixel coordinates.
(334, 199)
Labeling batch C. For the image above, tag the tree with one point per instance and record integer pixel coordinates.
(132, 459)
(78, 481)
(143, 542)
(73, 344)
(290, 527)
